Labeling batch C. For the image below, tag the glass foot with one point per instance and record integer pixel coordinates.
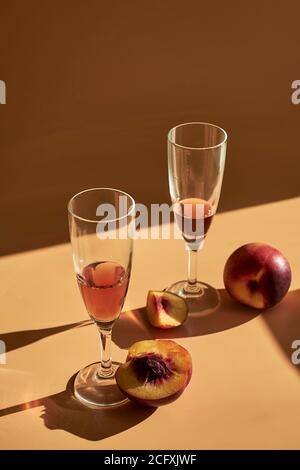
(95, 391)
(201, 299)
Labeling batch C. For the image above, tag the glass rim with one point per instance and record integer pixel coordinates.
(130, 210)
(171, 141)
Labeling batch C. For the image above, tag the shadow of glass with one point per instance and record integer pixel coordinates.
(18, 339)
(283, 321)
(134, 326)
(63, 411)
(201, 305)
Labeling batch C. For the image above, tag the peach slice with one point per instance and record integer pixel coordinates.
(155, 373)
(165, 309)
(103, 274)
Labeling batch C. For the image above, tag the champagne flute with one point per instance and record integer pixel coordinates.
(99, 222)
(196, 160)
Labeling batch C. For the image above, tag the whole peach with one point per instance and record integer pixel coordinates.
(258, 275)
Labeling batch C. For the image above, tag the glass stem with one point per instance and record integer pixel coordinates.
(192, 286)
(106, 368)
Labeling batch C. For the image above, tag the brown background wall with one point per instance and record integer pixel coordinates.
(93, 87)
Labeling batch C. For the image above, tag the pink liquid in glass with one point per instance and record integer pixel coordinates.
(103, 286)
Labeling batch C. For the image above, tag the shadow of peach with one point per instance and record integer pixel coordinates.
(134, 326)
(283, 320)
(62, 411)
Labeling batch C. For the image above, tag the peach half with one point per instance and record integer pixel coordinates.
(165, 309)
(155, 373)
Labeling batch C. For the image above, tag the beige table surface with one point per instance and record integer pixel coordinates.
(244, 393)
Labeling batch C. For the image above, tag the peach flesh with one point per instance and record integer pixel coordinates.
(156, 372)
(165, 309)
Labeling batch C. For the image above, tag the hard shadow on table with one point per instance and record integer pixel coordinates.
(63, 411)
(18, 339)
(283, 320)
(133, 325)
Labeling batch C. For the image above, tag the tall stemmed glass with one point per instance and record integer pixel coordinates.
(100, 222)
(196, 159)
